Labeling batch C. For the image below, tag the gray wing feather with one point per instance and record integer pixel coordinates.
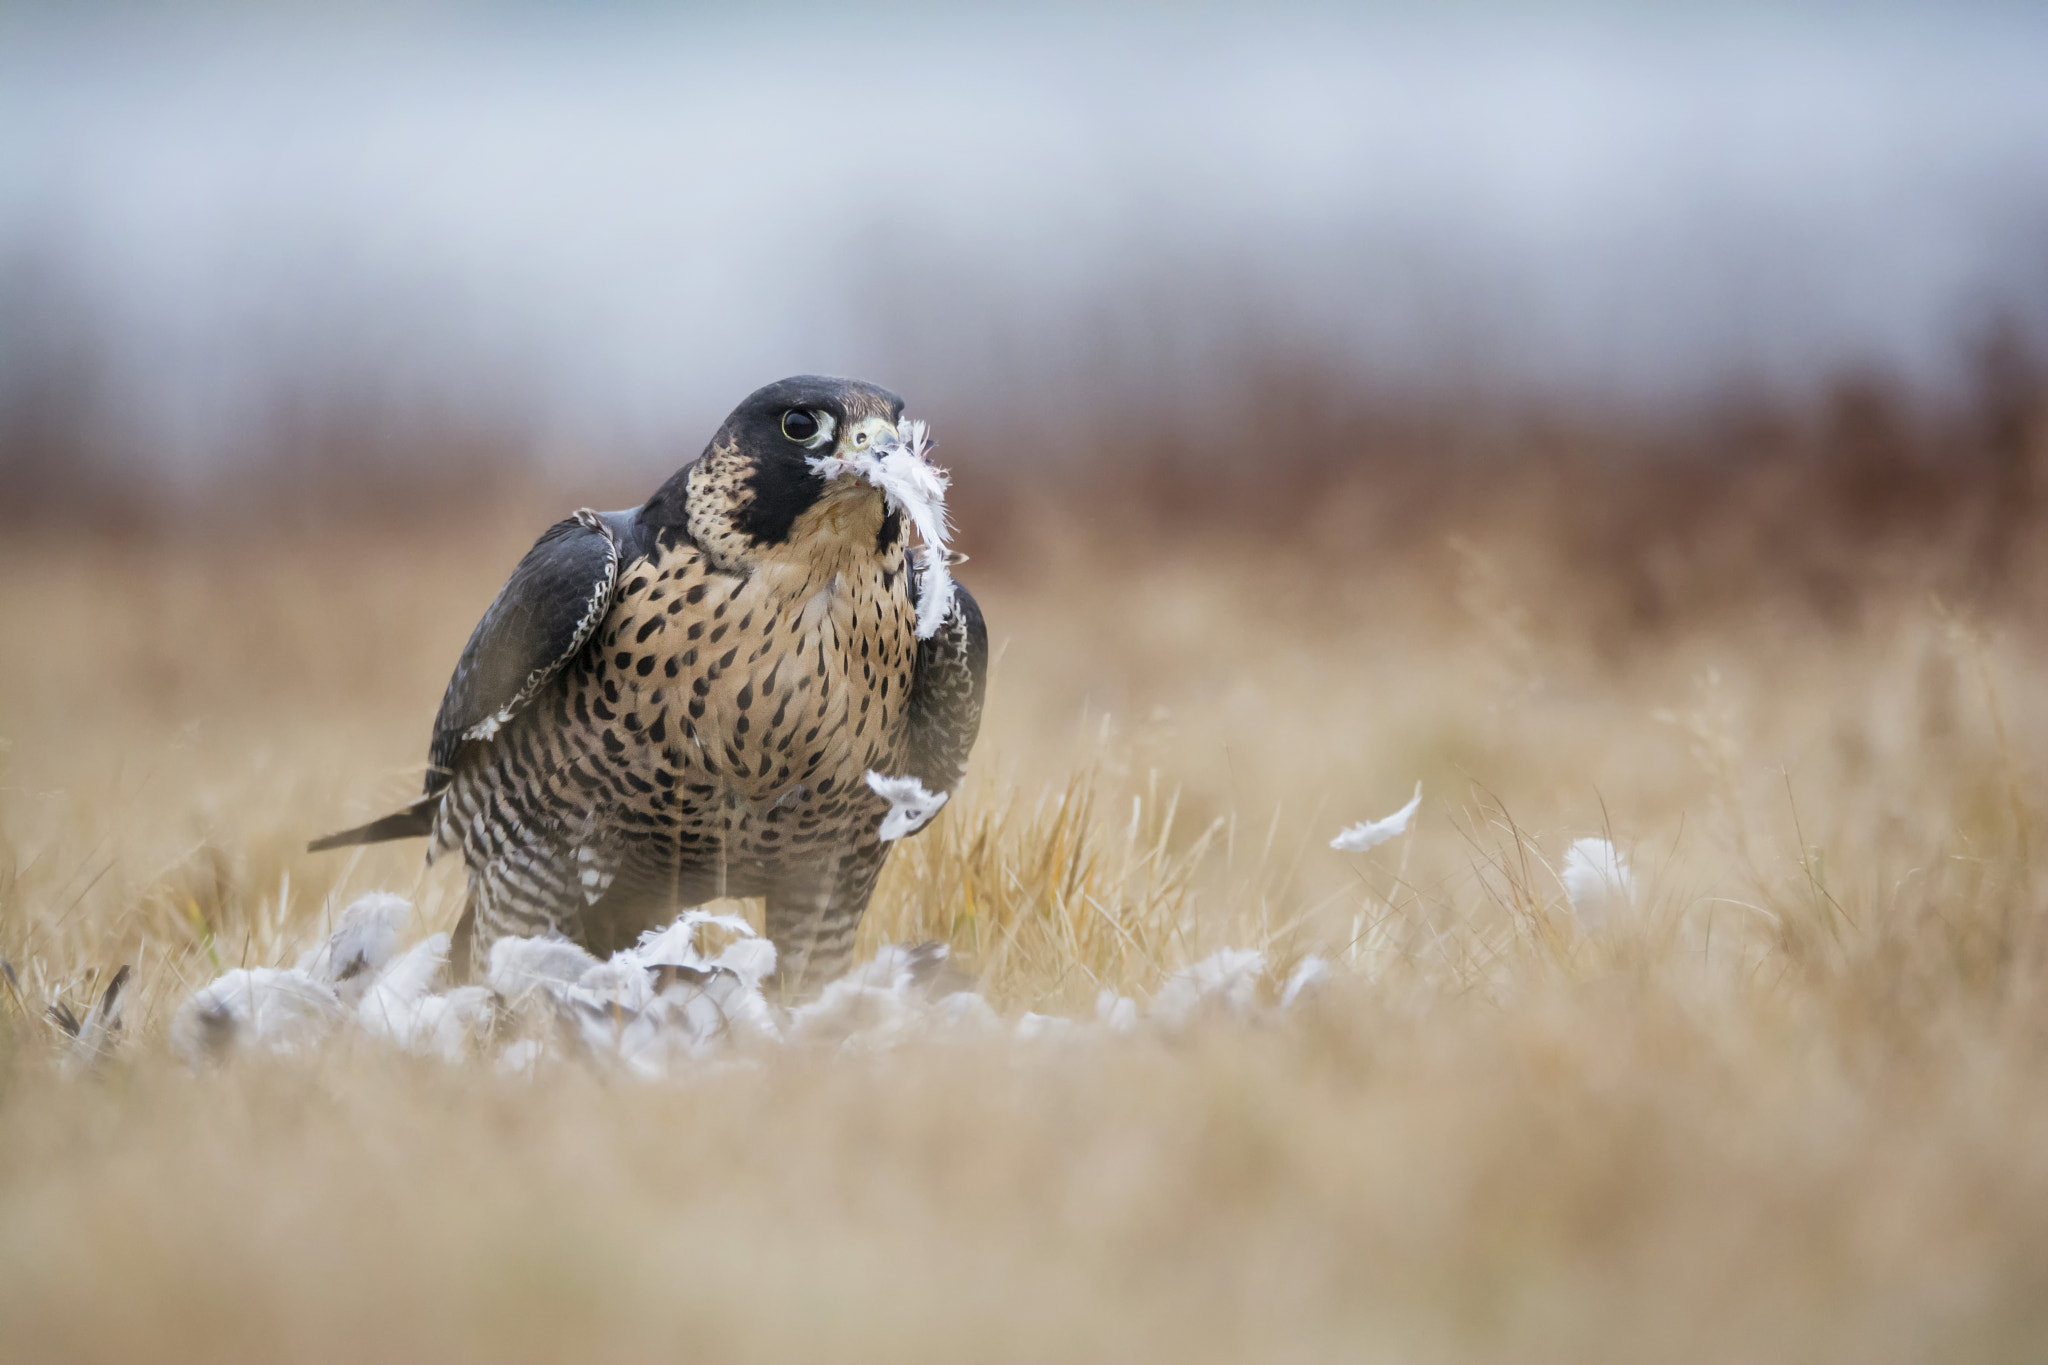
(946, 695)
(541, 619)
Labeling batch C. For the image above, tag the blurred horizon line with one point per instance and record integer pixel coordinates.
(564, 230)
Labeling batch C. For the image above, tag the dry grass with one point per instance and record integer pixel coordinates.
(1793, 1111)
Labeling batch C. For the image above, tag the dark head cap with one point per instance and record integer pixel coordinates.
(780, 428)
(758, 422)
(755, 477)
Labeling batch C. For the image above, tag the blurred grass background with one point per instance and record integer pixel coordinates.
(1624, 421)
(1788, 1110)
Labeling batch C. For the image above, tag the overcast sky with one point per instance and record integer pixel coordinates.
(617, 221)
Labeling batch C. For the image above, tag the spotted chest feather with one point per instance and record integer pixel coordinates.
(719, 725)
(794, 673)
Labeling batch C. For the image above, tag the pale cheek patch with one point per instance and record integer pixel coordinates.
(914, 486)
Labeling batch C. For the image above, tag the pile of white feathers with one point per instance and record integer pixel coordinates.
(654, 1010)
(691, 994)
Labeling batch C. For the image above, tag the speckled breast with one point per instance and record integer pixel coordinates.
(740, 712)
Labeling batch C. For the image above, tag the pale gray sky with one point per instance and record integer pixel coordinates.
(614, 222)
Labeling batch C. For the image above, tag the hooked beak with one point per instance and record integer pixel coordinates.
(859, 451)
(897, 460)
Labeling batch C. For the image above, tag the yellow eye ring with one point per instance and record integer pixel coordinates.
(800, 426)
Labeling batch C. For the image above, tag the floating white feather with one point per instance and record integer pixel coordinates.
(1373, 833)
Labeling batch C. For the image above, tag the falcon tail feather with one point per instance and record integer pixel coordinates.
(414, 822)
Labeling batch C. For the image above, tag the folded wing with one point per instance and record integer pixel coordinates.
(541, 619)
(543, 616)
(946, 695)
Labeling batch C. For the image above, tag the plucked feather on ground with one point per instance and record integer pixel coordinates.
(652, 1010)
(1597, 882)
(672, 1000)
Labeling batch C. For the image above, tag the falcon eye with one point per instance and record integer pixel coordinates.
(799, 426)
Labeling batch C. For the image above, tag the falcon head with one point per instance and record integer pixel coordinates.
(784, 436)
(810, 465)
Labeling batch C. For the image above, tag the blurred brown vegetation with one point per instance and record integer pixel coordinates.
(1662, 516)
(1790, 658)
(1662, 512)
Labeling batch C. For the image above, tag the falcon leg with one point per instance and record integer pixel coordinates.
(631, 907)
(462, 963)
(505, 902)
(812, 926)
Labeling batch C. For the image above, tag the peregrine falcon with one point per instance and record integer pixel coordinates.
(685, 700)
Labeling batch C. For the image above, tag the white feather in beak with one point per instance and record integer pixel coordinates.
(902, 468)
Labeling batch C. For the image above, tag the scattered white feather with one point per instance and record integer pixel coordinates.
(362, 941)
(1047, 1027)
(752, 960)
(1597, 881)
(1117, 1013)
(1310, 975)
(664, 1001)
(408, 979)
(618, 985)
(666, 1007)
(650, 1042)
(520, 965)
(401, 1008)
(911, 807)
(967, 1013)
(1373, 833)
(877, 998)
(888, 970)
(676, 945)
(903, 991)
(849, 1009)
(914, 486)
(451, 1026)
(273, 1009)
(730, 982)
(1225, 982)
(521, 1058)
(743, 1011)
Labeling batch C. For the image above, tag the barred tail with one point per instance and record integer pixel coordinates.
(414, 822)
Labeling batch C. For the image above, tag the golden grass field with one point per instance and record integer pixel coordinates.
(1795, 1108)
